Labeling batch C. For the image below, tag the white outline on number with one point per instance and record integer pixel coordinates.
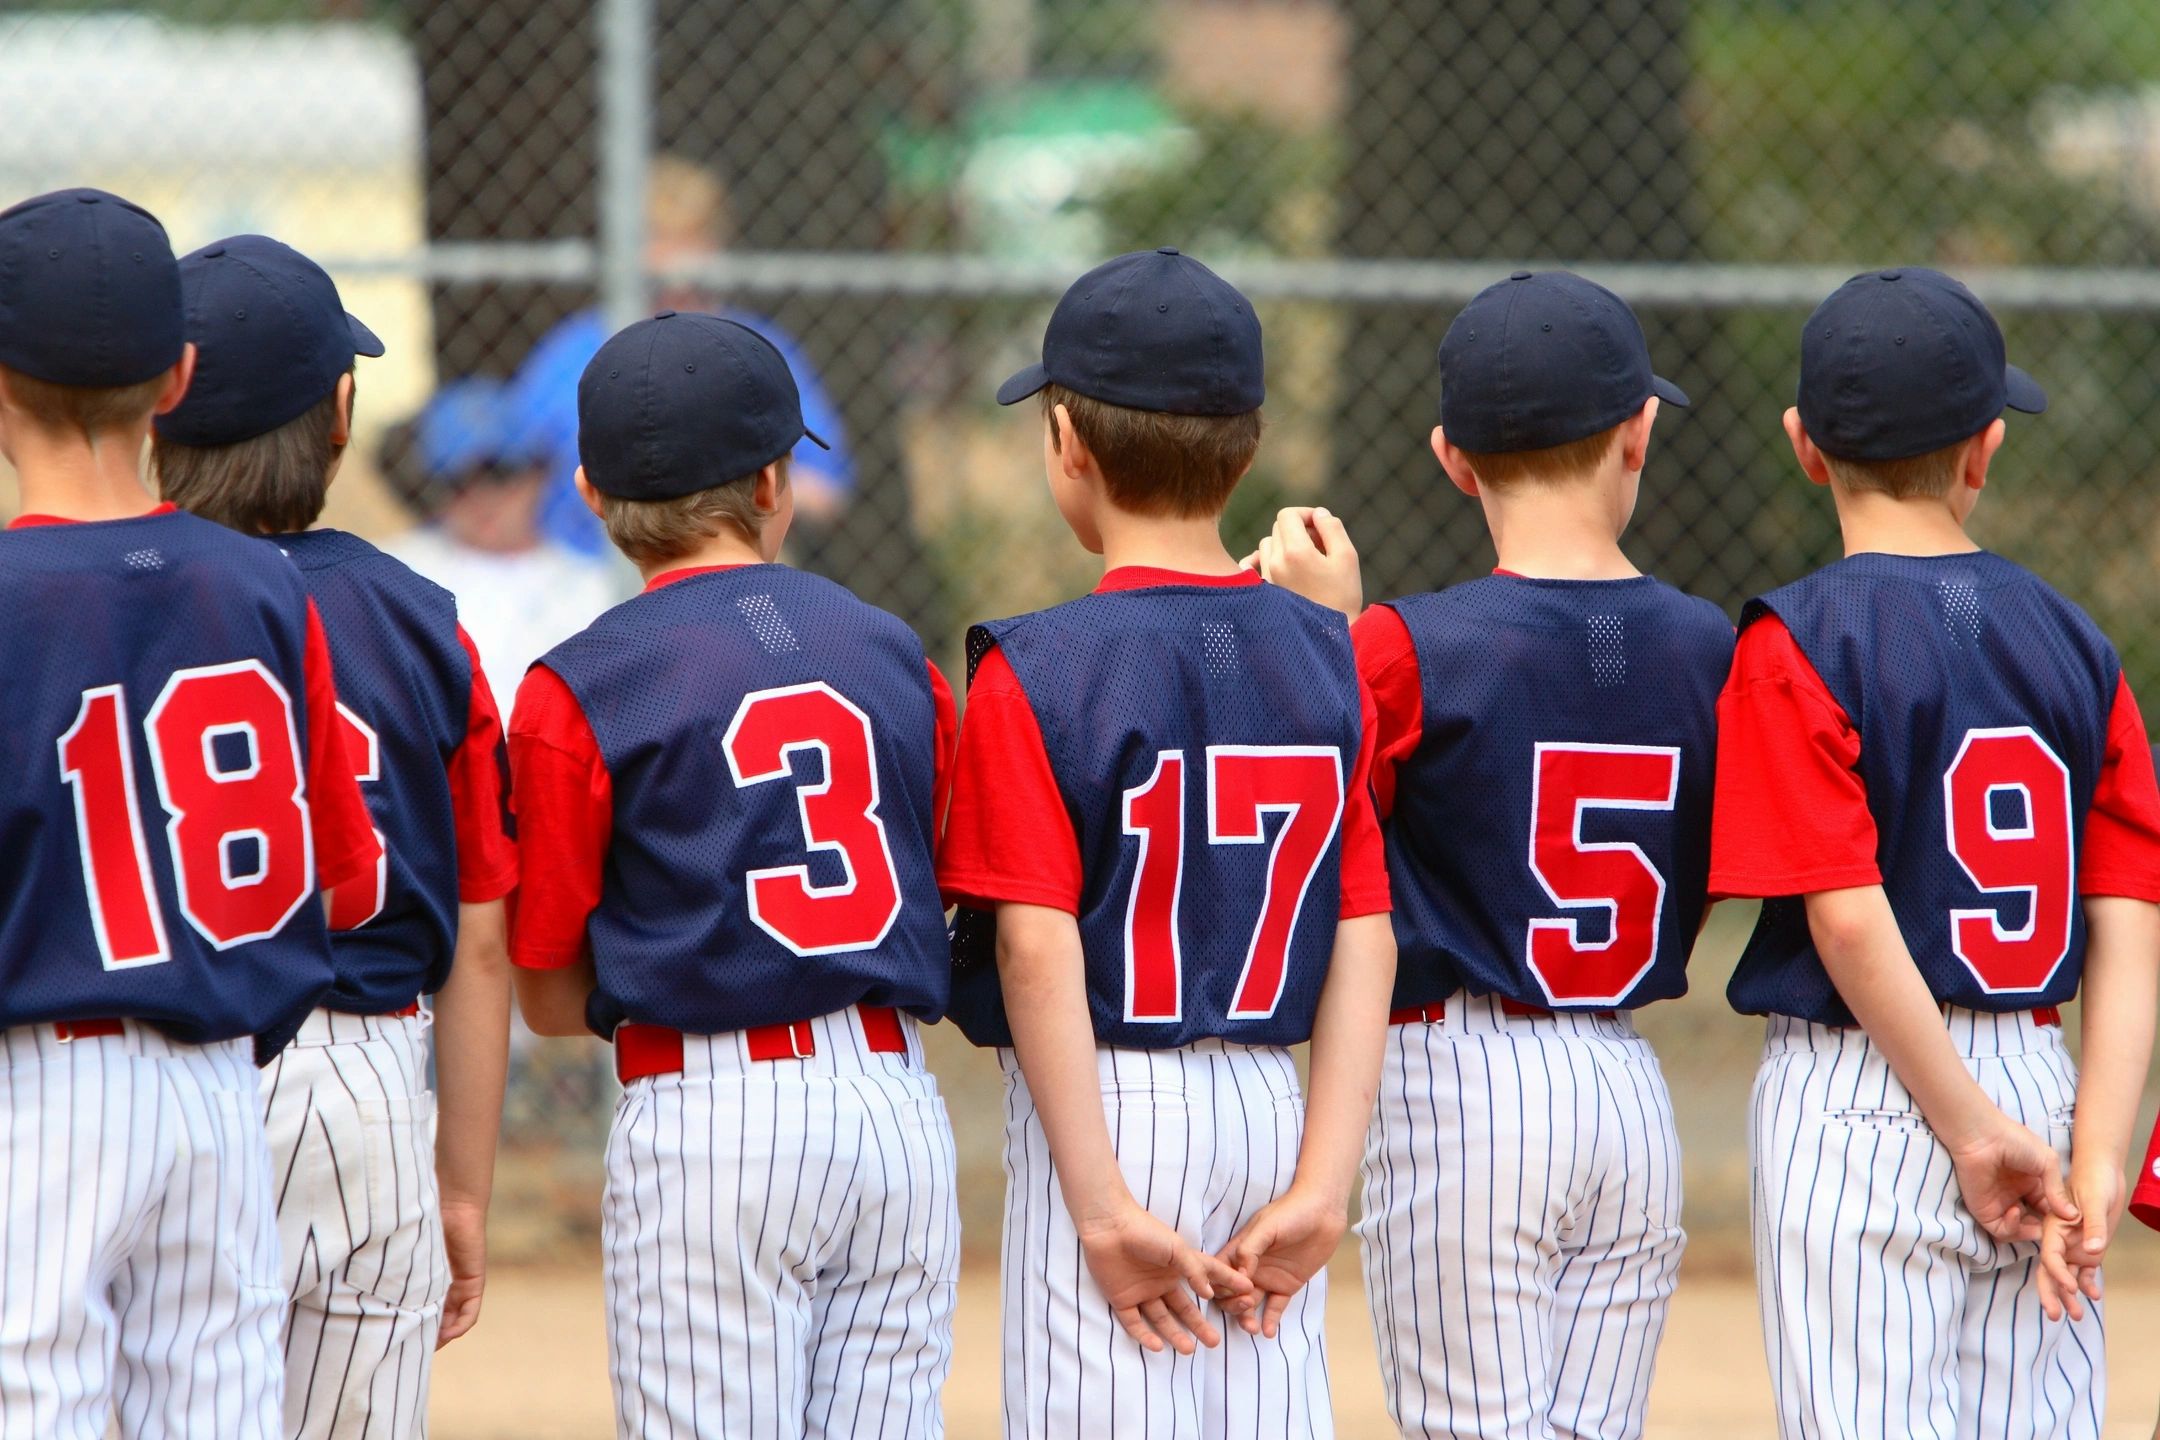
(784, 770)
(1993, 915)
(367, 773)
(73, 779)
(1571, 926)
(176, 816)
(213, 733)
(1177, 893)
(1260, 813)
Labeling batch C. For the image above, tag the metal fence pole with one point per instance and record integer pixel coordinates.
(626, 109)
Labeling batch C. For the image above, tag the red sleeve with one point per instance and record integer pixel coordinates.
(1364, 857)
(565, 807)
(344, 831)
(1790, 813)
(479, 795)
(1387, 662)
(2145, 1185)
(948, 739)
(2122, 830)
(1008, 836)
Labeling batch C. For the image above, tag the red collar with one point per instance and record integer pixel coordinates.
(669, 577)
(31, 522)
(1145, 577)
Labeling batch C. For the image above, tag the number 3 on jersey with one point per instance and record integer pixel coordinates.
(1304, 784)
(226, 758)
(1615, 876)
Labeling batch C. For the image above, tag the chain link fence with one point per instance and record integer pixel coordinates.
(902, 187)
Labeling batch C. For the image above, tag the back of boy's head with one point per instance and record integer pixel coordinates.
(1158, 361)
(252, 443)
(1899, 370)
(677, 415)
(1537, 375)
(90, 311)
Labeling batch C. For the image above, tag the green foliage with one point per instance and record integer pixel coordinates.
(1235, 191)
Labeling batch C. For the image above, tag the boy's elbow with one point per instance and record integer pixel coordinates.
(1842, 922)
(551, 1003)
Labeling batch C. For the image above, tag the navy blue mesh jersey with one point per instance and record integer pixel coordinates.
(405, 686)
(1550, 837)
(771, 741)
(1203, 739)
(1982, 701)
(154, 829)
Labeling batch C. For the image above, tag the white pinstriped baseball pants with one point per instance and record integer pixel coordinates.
(1521, 1223)
(1862, 1238)
(138, 1252)
(1206, 1135)
(783, 1243)
(351, 1122)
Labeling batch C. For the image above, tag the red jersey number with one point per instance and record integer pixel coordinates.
(1610, 875)
(225, 755)
(360, 900)
(2026, 849)
(839, 815)
(1245, 784)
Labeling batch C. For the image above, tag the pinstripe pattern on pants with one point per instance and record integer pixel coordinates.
(1521, 1223)
(138, 1254)
(1206, 1134)
(1861, 1236)
(351, 1122)
(782, 1243)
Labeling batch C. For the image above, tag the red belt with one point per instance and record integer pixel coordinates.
(1436, 1012)
(642, 1050)
(86, 1029)
(412, 1009)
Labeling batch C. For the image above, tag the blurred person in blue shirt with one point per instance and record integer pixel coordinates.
(686, 220)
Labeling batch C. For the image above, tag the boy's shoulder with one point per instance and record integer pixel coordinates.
(1151, 606)
(144, 545)
(1954, 590)
(315, 552)
(771, 608)
(1471, 610)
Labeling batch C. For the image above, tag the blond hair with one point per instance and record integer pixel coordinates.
(1913, 477)
(1554, 464)
(653, 532)
(1154, 463)
(92, 409)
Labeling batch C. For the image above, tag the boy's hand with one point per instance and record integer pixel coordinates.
(465, 1241)
(2011, 1178)
(1310, 552)
(1280, 1249)
(1144, 1269)
(2071, 1252)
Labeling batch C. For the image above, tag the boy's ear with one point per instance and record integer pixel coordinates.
(765, 490)
(1454, 462)
(177, 381)
(1072, 451)
(1980, 453)
(1803, 449)
(1635, 437)
(586, 492)
(341, 427)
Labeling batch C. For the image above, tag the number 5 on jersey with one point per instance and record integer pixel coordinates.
(1567, 782)
(1245, 783)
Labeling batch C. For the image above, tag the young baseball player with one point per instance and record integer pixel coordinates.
(1931, 769)
(1162, 811)
(1546, 752)
(382, 1222)
(174, 784)
(729, 785)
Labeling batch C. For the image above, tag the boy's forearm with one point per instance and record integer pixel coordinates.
(553, 1001)
(2122, 989)
(1349, 1037)
(472, 1056)
(1857, 935)
(1045, 981)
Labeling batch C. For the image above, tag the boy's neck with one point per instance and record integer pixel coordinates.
(727, 549)
(75, 477)
(1191, 545)
(1556, 532)
(1874, 523)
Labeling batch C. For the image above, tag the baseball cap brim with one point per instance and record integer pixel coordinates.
(1666, 391)
(2022, 392)
(1028, 382)
(814, 438)
(363, 339)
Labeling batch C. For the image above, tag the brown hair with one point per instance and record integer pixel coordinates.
(92, 409)
(1158, 464)
(1555, 464)
(269, 484)
(653, 532)
(1914, 477)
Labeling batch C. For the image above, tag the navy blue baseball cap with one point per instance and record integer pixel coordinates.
(271, 339)
(89, 293)
(1898, 363)
(683, 402)
(1542, 359)
(1153, 330)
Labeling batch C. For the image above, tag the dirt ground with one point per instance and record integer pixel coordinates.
(535, 1369)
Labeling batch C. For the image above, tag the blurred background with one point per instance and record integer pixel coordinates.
(897, 190)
